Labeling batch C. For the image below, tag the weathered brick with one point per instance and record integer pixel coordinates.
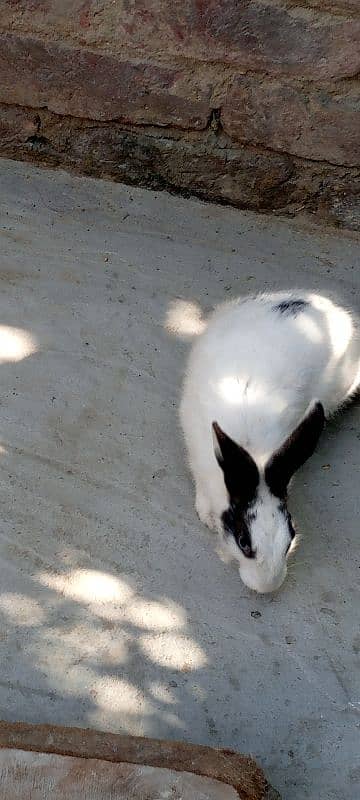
(226, 772)
(307, 122)
(20, 772)
(110, 70)
(241, 175)
(17, 126)
(342, 6)
(96, 86)
(262, 35)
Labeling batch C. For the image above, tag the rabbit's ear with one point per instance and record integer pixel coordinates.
(241, 474)
(297, 448)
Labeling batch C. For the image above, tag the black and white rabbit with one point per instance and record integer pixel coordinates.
(260, 380)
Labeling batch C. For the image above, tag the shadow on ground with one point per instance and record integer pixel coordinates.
(116, 611)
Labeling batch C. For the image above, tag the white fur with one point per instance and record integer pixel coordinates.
(256, 371)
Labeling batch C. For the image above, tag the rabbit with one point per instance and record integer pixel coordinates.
(260, 381)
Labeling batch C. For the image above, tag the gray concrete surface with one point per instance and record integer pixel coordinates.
(116, 611)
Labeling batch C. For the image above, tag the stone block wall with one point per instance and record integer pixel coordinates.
(250, 102)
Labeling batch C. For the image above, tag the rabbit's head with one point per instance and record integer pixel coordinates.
(257, 524)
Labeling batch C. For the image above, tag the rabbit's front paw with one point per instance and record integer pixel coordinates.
(205, 512)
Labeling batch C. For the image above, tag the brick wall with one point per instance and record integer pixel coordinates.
(251, 102)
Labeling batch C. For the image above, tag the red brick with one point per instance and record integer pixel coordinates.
(311, 123)
(269, 36)
(225, 766)
(96, 86)
(260, 35)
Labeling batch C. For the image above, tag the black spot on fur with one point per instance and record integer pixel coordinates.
(236, 523)
(290, 308)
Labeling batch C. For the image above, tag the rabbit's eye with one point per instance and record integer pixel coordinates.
(235, 524)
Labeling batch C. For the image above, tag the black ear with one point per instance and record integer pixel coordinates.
(241, 474)
(299, 446)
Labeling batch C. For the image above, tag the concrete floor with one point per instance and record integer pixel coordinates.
(116, 611)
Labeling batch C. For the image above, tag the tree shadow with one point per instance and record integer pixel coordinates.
(116, 611)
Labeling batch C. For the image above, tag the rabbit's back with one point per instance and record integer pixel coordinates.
(260, 362)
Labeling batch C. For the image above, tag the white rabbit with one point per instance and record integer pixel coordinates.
(260, 380)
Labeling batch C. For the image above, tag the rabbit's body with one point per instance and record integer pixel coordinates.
(255, 370)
